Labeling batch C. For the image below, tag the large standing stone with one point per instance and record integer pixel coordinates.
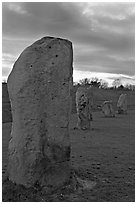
(39, 91)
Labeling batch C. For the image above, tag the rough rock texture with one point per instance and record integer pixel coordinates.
(107, 109)
(83, 109)
(122, 104)
(39, 89)
(90, 100)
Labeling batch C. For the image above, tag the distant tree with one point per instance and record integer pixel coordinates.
(84, 82)
(121, 87)
(116, 83)
(130, 87)
(104, 84)
(95, 82)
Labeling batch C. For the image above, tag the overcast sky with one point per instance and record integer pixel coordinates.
(103, 35)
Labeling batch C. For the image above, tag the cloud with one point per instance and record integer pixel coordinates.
(54, 18)
(16, 8)
(103, 34)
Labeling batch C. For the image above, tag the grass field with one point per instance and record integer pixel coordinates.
(105, 154)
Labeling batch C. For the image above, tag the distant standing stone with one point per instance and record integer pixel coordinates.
(39, 90)
(107, 109)
(91, 101)
(122, 104)
(83, 106)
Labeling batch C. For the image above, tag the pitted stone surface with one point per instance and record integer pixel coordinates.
(39, 90)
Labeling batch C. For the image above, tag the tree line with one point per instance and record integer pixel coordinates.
(102, 84)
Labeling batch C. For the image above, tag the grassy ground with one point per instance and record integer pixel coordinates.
(104, 154)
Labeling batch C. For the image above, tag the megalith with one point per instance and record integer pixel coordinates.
(83, 109)
(39, 90)
(91, 101)
(107, 109)
(122, 104)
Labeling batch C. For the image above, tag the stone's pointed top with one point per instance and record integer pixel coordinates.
(49, 39)
(39, 48)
